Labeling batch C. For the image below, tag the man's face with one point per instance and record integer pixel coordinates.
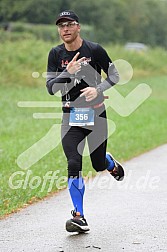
(68, 30)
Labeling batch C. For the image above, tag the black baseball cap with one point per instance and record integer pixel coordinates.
(67, 14)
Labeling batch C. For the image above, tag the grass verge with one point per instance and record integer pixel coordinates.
(141, 131)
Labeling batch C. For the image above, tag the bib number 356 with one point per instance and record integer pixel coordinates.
(81, 117)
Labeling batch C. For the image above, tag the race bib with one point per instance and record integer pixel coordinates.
(81, 117)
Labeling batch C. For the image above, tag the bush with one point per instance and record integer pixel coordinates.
(18, 30)
(15, 36)
(40, 31)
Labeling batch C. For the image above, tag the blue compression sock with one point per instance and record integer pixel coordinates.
(110, 163)
(76, 188)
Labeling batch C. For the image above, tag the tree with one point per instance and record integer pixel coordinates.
(33, 11)
(111, 21)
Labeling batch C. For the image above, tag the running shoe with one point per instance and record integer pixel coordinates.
(77, 224)
(118, 171)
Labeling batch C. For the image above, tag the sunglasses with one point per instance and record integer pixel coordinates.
(68, 24)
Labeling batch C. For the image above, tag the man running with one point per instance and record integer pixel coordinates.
(74, 68)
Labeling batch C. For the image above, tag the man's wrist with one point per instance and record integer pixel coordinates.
(69, 74)
(99, 90)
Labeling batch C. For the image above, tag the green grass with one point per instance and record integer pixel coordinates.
(141, 131)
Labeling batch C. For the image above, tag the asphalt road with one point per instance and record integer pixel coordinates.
(123, 216)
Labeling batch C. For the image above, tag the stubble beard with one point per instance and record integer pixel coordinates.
(70, 40)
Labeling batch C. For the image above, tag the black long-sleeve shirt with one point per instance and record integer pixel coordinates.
(70, 85)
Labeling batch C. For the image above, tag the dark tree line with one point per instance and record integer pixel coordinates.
(112, 20)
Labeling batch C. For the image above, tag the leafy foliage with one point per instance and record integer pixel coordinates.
(112, 20)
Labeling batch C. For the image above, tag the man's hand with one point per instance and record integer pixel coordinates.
(75, 65)
(90, 93)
